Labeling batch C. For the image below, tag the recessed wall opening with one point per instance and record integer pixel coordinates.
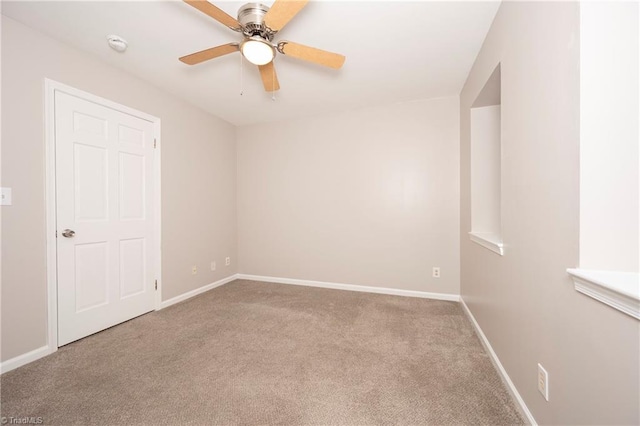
(486, 148)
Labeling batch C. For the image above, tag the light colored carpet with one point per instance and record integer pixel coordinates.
(254, 353)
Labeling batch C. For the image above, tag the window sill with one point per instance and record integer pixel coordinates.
(489, 241)
(620, 290)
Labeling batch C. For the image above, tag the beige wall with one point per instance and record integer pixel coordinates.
(609, 148)
(198, 178)
(524, 301)
(367, 197)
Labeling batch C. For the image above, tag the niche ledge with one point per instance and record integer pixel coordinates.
(620, 290)
(488, 240)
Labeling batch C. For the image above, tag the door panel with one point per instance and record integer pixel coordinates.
(84, 123)
(104, 193)
(132, 187)
(91, 197)
(132, 267)
(91, 275)
(130, 135)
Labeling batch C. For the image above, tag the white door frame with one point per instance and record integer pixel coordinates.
(50, 87)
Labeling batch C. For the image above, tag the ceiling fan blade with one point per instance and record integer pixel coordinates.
(215, 12)
(311, 54)
(214, 52)
(282, 12)
(269, 77)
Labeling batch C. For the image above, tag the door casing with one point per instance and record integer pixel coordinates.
(50, 87)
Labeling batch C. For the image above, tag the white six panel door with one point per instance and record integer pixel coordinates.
(104, 194)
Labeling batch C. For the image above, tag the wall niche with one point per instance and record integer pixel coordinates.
(486, 159)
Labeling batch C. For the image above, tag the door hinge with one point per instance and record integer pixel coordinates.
(56, 233)
(156, 284)
(154, 143)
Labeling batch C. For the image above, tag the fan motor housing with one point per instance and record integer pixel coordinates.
(251, 17)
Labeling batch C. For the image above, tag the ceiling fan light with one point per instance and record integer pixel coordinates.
(257, 51)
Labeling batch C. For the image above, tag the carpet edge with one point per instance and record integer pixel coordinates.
(25, 358)
(188, 295)
(352, 287)
(511, 387)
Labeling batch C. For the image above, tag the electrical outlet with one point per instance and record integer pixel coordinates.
(227, 261)
(436, 272)
(5, 196)
(194, 270)
(543, 382)
(213, 266)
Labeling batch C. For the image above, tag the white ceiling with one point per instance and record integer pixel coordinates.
(396, 51)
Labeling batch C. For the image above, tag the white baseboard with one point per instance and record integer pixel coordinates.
(197, 291)
(498, 365)
(20, 360)
(352, 287)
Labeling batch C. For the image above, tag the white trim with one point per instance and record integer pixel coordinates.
(50, 86)
(498, 365)
(50, 202)
(620, 290)
(197, 291)
(352, 287)
(54, 85)
(487, 240)
(157, 202)
(20, 360)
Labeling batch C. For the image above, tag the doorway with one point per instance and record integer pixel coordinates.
(103, 213)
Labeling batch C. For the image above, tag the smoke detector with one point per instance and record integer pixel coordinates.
(117, 43)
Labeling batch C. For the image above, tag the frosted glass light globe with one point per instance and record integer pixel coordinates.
(257, 51)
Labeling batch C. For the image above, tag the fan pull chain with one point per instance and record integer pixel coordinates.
(241, 81)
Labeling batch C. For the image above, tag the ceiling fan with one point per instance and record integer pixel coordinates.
(259, 25)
